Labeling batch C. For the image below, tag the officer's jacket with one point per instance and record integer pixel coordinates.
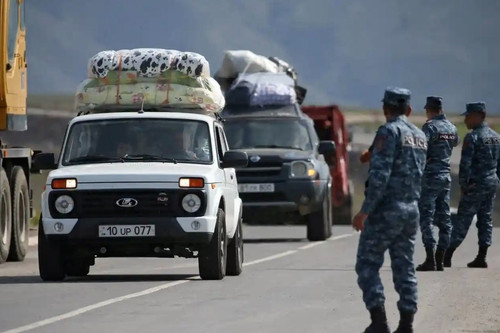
(397, 164)
(441, 138)
(480, 162)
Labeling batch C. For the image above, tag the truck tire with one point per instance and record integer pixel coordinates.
(235, 255)
(77, 268)
(212, 258)
(319, 223)
(50, 258)
(5, 216)
(343, 214)
(20, 215)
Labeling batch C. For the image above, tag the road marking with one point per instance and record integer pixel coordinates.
(276, 256)
(310, 246)
(85, 309)
(149, 291)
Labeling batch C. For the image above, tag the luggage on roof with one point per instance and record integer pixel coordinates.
(156, 78)
(261, 89)
(243, 62)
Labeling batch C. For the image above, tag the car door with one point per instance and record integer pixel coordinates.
(231, 185)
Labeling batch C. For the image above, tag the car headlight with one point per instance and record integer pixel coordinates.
(302, 169)
(191, 203)
(64, 204)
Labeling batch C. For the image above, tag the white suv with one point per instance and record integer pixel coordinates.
(141, 184)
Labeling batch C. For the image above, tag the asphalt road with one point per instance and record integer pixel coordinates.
(288, 285)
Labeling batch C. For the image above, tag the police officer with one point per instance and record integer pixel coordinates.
(434, 204)
(389, 215)
(478, 177)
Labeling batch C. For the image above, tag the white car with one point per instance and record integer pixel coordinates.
(141, 184)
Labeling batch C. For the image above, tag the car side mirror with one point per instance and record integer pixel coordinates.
(234, 159)
(43, 161)
(327, 149)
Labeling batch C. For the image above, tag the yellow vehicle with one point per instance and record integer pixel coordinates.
(15, 203)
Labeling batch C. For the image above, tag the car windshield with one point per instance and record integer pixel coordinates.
(250, 133)
(138, 140)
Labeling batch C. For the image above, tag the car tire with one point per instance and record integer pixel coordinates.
(319, 225)
(212, 258)
(20, 215)
(343, 214)
(235, 254)
(77, 268)
(5, 216)
(50, 257)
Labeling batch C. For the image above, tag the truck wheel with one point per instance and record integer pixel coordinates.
(5, 216)
(77, 268)
(343, 214)
(212, 258)
(319, 224)
(235, 252)
(20, 215)
(50, 258)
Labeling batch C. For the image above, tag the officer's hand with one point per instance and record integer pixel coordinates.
(365, 156)
(358, 223)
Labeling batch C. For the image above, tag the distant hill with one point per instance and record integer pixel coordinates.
(345, 51)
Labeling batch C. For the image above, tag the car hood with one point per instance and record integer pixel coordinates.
(136, 172)
(284, 155)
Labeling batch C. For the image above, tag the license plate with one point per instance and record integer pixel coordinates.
(142, 230)
(255, 188)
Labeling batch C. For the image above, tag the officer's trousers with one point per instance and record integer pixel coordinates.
(394, 228)
(476, 202)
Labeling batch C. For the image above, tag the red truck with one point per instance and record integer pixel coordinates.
(329, 123)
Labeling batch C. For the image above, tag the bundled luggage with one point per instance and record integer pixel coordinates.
(155, 78)
(255, 80)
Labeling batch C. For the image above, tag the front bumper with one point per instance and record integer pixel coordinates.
(189, 232)
(303, 196)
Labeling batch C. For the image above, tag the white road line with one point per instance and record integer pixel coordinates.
(276, 256)
(85, 309)
(310, 246)
(149, 291)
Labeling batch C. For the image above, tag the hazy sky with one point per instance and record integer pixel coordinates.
(346, 51)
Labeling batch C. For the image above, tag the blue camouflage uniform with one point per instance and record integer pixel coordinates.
(391, 202)
(434, 204)
(478, 177)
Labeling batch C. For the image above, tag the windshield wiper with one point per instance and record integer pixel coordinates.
(148, 157)
(93, 158)
(277, 146)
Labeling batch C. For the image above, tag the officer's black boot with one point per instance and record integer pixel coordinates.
(440, 259)
(447, 256)
(430, 263)
(379, 321)
(480, 261)
(405, 323)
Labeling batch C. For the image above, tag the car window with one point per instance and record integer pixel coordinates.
(272, 133)
(138, 140)
(221, 144)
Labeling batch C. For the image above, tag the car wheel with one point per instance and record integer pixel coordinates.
(77, 268)
(212, 258)
(5, 217)
(319, 225)
(50, 257)
(343, 214)
(20, 215)
(235, 252)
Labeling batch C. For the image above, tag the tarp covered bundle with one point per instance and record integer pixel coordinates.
(262, 89)
(152, 77)
(263, 79)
